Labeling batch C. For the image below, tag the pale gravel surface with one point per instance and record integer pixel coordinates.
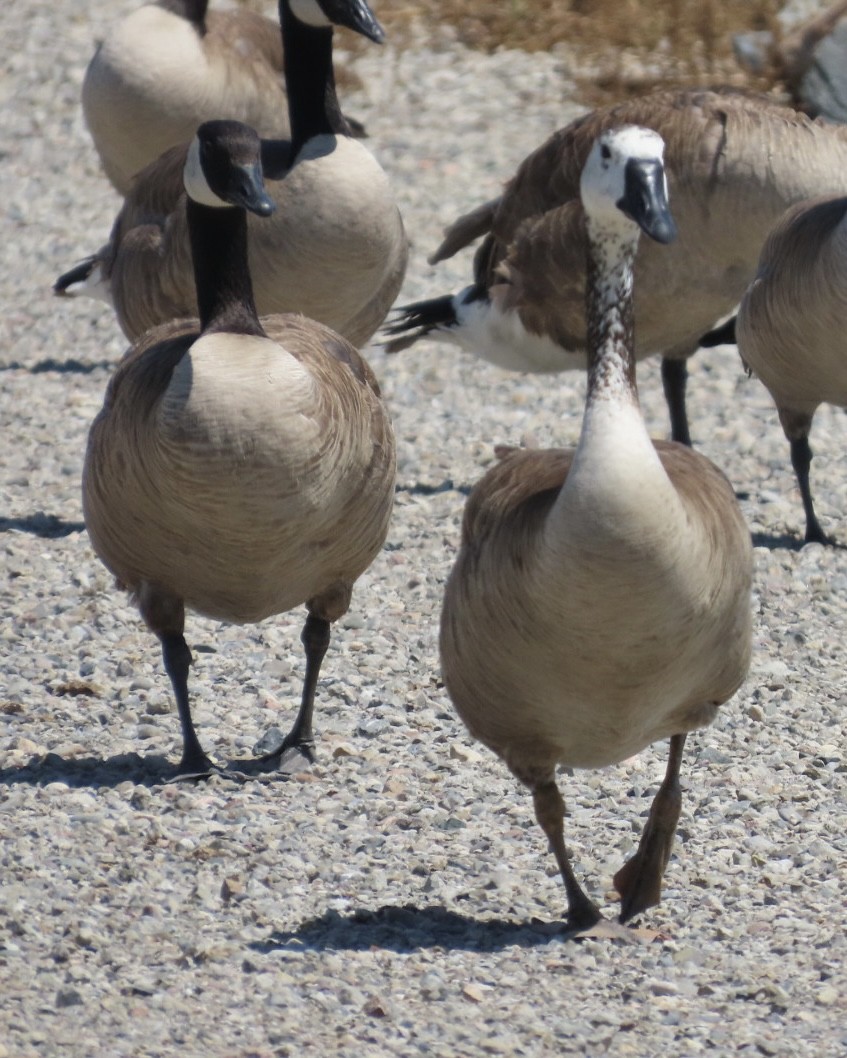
(399, 900)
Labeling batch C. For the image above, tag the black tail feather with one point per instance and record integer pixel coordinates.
(722, 335)
(78, 274)
(417, 320)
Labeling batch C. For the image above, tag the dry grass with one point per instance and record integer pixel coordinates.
(626, 45)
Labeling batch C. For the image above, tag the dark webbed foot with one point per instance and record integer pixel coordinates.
(284, 753)
(550, 813)
(639, 881)
(295, 751)
(193, 766)
(177, 658)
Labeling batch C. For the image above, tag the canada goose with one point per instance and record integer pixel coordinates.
(335, 248)
(734, 161)
(791, 325)
(601, 597)
(170, 65)
(240, 467)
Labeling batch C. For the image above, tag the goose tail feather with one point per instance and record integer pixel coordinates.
(84, 278)
(418, 320)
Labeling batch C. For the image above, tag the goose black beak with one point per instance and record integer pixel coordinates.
(645, 199)
(355, 15)
(250, 191)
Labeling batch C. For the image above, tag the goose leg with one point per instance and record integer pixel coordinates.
(674, 379)
(801, 460)
(550, 813)
(177, 657)
(296, 750)
(639, 881)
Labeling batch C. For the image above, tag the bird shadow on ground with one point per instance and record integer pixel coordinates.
(47, 526)
(152, 770)
(777, 541)
(780, 541)
(410, 928)
(62, 367)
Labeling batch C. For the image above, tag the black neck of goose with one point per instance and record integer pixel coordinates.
(610, 316)
(221, 272)
(313, 107)
(191, 10)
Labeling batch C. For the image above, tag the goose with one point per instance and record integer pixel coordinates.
(335, 248)
(600, 600)
(735, 162)
(168, 66)
(239, 467)
(790, 327)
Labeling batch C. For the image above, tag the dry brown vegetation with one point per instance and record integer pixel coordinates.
(626, 44)
(621, 44)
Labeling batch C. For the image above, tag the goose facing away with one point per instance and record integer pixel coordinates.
(791, 325)
(735, 162)
(600, 600)
(168, 66)
(335, 249)
(243, 467)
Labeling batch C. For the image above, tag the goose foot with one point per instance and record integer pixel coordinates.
(606, 930)
(816, 535)
(290, 757)
(285, 754)
(583, 918)
(193, 766)
(639, 881)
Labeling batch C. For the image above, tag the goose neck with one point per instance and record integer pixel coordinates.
(313, 107)
(221, 273)
(610, 318)
(192, 10)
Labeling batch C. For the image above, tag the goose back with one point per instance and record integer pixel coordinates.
(791, 321)
(159, 73)
(734, 163)
(335, 249)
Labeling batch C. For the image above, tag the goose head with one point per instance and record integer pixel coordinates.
(624, 182)
(224, 169)
(352, 14)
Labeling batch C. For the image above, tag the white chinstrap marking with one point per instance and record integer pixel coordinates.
(196, 185)
(309, 12)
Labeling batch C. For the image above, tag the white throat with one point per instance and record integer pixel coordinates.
(309, 12)
(196, 185)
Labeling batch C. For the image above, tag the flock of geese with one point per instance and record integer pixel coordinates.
(243, 461)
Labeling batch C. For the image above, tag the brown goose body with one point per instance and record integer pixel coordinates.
(791, 326)
(613, 629)
(601, 596)
(261, 470)
(239, 466)
(734, 163)
(335, 249)
(166, 67)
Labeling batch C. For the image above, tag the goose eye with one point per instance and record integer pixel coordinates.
(605, 152)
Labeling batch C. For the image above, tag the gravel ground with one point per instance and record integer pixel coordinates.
(399, 898)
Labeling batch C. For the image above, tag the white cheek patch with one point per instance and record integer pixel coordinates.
(309, 12)
(196, 185)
